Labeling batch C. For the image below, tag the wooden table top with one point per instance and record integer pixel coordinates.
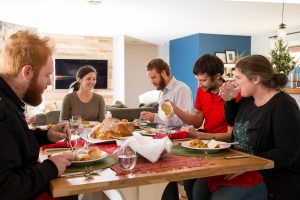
(79, 185)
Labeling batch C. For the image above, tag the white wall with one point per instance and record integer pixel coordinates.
(137, 82)
(297, 98)
(118, 68)
(164, 52)
(262, 44)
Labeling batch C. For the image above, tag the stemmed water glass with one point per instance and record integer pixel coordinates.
(127, 157)
(74, 125)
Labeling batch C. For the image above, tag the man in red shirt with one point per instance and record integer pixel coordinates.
(209, 106)
(209, 110)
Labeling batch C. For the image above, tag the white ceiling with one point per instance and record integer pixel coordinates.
(155, 21)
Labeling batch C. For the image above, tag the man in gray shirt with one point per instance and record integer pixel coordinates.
(170, 89)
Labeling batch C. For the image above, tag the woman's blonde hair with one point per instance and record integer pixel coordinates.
(24, 48)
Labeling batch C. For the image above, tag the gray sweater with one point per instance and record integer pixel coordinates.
(94, 110)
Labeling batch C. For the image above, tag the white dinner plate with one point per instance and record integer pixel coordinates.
(146, 132)
(92, 123)
(223, 145)
(42, 127)
(104, 155)
(94, 140)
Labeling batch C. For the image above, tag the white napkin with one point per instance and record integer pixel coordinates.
(146, 146)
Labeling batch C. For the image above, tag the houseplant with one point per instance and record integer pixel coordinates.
(281, 58)
(239, 56)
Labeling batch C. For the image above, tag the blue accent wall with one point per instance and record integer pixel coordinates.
(183, 54)
(185, 51)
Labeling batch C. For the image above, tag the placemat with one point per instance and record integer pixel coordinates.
(101, 164)
(181, 151)
(166, 163)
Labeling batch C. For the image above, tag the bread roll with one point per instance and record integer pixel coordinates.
(213, 144)
(167, 108)
(82, 157)
(112, 126)
(95, 153)
(123, 129)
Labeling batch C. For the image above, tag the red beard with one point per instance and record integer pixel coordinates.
(33, 95)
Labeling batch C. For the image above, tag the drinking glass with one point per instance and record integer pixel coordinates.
(74, 125)
(75, 122)
(127, 157)
(228, 91)
(161, 129)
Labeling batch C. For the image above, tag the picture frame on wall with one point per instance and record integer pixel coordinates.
(221, 55)
(230, 56)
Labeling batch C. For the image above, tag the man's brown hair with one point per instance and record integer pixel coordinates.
(159, 65)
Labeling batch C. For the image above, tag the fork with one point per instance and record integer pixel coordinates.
(88, 172)
(70, 145)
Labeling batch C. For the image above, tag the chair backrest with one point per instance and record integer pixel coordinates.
(52, 117)
(40, 119)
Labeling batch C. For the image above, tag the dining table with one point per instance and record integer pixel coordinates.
(232, 162)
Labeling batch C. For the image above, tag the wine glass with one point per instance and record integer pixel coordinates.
(74, 125)
(127, 157)
(75, 122)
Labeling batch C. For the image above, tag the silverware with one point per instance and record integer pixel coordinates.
(236, 157)
(88, 172)
(199, 129)
(232, 143)
(57, 149)
(70, 145)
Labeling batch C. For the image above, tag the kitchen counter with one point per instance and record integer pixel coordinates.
(292, 90)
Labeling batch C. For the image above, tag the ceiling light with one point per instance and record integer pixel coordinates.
(282, 26)
(94, 2)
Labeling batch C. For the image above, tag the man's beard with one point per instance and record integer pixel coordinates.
(212, 87)
(33, 95)
(209, 89)
(161, 84)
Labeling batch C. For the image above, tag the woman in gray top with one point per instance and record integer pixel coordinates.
(83, 101)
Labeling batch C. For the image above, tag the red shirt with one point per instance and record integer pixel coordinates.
(212, 107)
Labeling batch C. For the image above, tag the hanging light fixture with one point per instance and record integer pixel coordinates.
(94, 2)
(282, 26)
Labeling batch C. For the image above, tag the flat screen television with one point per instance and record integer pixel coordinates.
(66, 69)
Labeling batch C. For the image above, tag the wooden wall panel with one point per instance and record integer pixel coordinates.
(81, 47)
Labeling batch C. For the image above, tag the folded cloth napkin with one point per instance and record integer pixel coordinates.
(172, 136)
(148, 147)
(63, 144)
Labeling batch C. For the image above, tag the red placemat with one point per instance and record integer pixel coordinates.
(109, 148)
(166, 163)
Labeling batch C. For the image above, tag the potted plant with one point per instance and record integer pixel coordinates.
(238, 56)
(281, 58)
